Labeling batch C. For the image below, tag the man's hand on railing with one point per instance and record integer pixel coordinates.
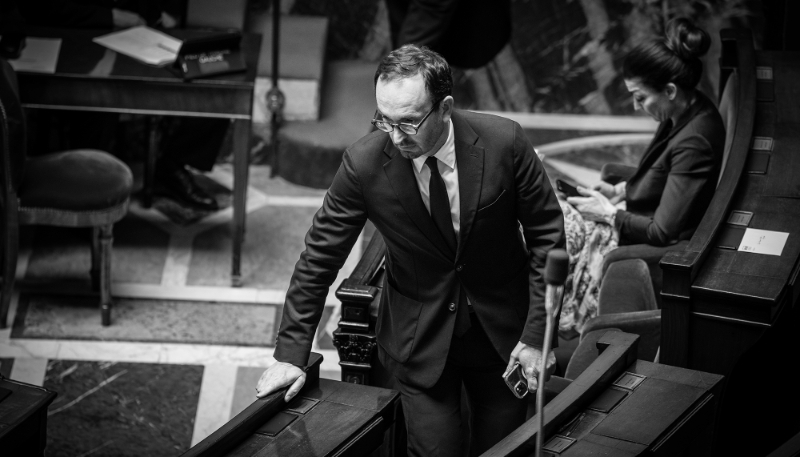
(278, 376)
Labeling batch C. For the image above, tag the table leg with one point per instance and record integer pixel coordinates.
(241, 141)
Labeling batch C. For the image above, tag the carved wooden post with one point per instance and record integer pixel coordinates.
(355, 337)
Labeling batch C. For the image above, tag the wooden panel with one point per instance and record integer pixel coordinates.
(317, 434)
(353, 395)
(667, 412)
(618, 350)
(634, 420)
(739, 316)
(23, 401)
(327, 418)
(90, 77)
(117, 96)
(598, 445)
(23, 418)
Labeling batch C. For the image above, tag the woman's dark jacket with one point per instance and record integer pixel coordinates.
(671, 189)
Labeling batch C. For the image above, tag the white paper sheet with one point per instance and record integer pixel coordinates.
(143, 43)
(39, 55)
(763, 241)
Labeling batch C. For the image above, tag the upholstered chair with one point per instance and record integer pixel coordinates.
(78, 188)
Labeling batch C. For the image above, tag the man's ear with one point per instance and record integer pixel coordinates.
(447, 106)
(671, 90)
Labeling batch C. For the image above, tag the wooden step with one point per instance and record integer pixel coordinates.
(302, 58)
(310, 152)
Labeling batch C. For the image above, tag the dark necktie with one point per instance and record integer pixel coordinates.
(440, 212)
(440, 205)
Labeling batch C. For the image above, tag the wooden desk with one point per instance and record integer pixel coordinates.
(90, 77)
(733, 312)
(23, 418)
(620, 407)
(327, 418)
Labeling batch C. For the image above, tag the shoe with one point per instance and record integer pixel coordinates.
(179, 184)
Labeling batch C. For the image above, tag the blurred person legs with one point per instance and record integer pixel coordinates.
(449, 28)
(189, 142)
(494, 411)
(192, 142)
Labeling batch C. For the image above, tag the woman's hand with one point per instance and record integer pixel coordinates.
(594, 206)
(614, 193)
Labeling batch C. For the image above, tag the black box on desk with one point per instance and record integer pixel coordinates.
(209, 53)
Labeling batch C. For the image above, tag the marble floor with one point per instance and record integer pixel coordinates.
(165, 274)
(184, 349)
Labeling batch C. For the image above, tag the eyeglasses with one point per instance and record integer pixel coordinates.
(408, 129)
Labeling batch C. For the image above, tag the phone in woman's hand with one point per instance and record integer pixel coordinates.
(567, 189)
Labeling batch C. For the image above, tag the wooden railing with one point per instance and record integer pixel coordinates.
(244, 424)
(360, 294)
(681, 267)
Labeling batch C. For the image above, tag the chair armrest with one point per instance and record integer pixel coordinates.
(646, 324)
(636, 322)
(585, 353)
(614, 173)
(552, 388)
(650, 254)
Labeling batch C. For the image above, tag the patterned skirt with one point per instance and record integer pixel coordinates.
(587, 243)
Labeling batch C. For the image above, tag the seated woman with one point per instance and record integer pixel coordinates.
(662, 200)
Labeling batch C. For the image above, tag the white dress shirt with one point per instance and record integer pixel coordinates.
(448, 168)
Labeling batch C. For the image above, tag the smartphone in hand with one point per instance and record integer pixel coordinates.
(567, 189)
(516, 381)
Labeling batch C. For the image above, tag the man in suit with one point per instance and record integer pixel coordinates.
(468, 216)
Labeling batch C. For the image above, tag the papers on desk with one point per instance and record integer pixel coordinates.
(143, 43)
(763, 241)
(40, 55)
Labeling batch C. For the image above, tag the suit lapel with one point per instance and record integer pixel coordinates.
(661, 138)
(400, 174)
(654, 150)
(469, 160)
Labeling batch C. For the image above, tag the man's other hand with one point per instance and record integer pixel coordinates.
(280, 375)
(124, 19)
(530, 359)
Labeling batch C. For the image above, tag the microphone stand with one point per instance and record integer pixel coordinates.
(556, 270)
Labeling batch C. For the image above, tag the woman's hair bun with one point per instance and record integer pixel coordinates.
(686, 40)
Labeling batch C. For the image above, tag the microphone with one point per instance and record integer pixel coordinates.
(556, 268)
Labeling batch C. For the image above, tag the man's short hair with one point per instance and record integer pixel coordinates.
(410, 59)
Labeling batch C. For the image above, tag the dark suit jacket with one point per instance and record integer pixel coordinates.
(15, 124)
(502, 187)
(468, 33)
(88, 13)
(670, 191)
